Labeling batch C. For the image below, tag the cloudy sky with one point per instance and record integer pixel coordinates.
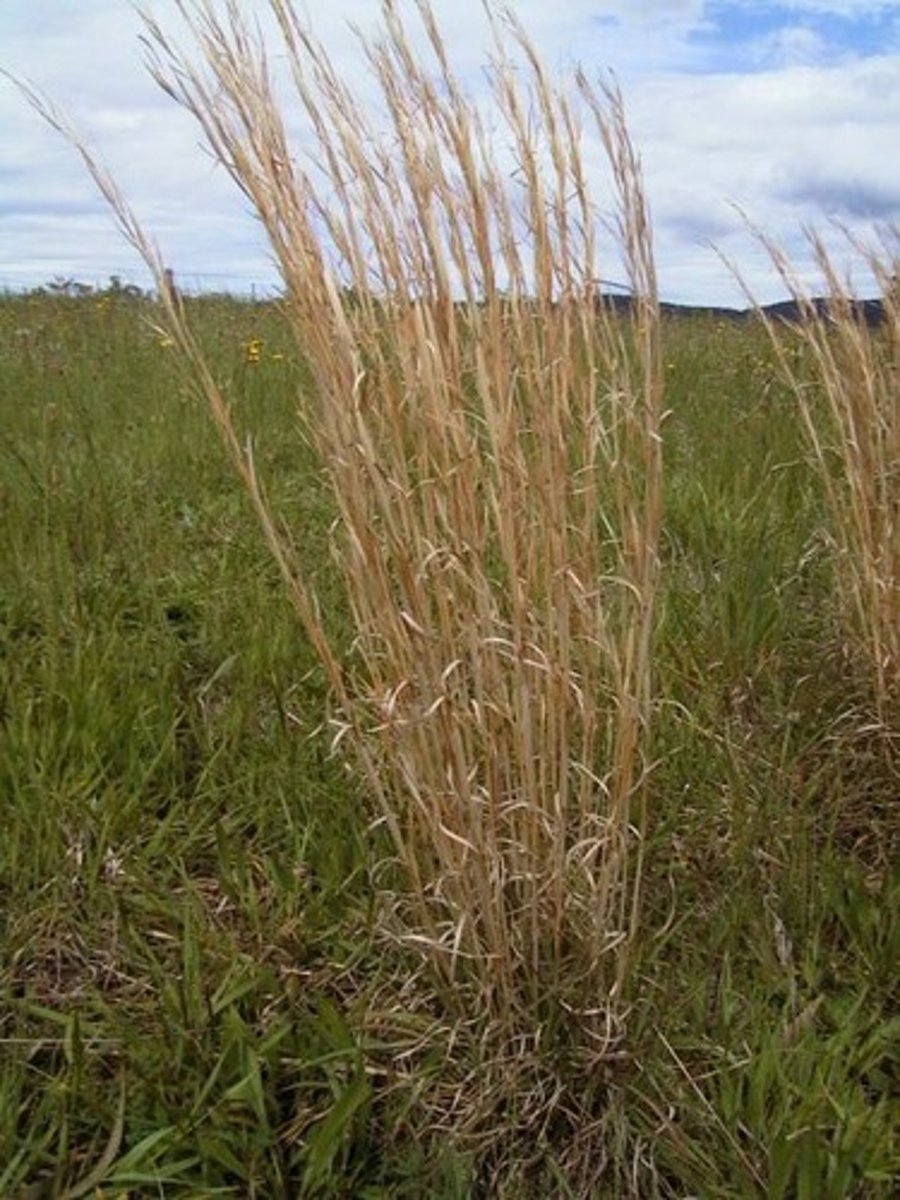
(789, 110)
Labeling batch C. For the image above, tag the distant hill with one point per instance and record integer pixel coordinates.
(870, 312)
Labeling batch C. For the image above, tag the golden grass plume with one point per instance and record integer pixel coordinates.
(490, 429)
(847, 387)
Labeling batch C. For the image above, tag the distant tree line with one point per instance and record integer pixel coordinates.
(63, 286)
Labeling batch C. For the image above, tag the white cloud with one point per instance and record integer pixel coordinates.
(792, 46)
(790, 147)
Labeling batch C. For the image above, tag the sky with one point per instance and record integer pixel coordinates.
(785, 114)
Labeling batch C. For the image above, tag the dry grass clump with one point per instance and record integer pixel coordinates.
(490, 431)
(855, 437)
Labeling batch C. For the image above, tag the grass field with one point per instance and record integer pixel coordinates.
(194, 997)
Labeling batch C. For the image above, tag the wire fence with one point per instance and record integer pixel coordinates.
(190, 283)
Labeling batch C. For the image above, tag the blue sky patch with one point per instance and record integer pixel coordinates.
(760, 36)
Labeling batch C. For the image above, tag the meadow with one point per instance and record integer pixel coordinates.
(449, 719)
(195, 999)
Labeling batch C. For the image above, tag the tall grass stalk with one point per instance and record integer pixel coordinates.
(855, 439)
(489, 428)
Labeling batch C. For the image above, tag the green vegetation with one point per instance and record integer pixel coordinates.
(187, 915)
